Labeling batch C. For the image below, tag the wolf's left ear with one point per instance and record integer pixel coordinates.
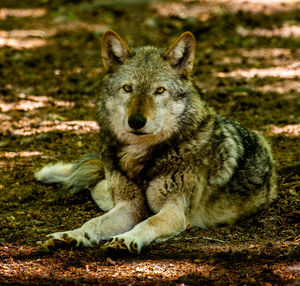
(114, 49)
(181, 54)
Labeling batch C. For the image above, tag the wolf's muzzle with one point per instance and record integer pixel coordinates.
(137, 121)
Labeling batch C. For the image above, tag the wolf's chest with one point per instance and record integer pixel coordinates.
(132, 159)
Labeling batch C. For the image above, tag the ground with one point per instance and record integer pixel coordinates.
(247, 67)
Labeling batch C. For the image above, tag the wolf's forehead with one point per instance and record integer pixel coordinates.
(147, 62)
(147, 54)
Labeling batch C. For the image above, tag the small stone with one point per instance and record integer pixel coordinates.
(110, 261)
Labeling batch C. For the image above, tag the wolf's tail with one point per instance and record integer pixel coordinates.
(82, 174)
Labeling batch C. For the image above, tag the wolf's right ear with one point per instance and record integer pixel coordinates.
(114, 49)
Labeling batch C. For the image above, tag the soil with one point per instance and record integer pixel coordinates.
(247, 67)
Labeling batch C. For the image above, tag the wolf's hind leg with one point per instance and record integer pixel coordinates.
(102, 195)
(54, 174)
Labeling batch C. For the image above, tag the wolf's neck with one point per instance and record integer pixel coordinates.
(132, 158)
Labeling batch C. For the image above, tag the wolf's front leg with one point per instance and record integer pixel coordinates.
(123, 217)
(169, 221)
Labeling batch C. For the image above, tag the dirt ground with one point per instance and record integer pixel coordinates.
(247, 67)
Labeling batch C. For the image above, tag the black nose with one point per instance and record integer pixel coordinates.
(136, 121)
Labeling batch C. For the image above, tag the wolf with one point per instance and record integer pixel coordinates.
(166, 160)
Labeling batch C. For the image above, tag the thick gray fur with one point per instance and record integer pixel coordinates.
(177, 163)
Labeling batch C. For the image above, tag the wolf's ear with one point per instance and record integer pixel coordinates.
(181, 54)
(114, 49)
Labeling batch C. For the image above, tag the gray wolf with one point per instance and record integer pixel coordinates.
(166, 160)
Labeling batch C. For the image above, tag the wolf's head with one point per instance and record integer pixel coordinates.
(147, 97)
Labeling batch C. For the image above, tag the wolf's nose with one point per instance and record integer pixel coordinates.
(136, 121)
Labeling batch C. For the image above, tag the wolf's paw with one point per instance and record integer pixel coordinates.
(126, 242)
(68, 238)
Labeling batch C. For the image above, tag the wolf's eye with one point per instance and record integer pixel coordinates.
(127, 88)
(160, 90)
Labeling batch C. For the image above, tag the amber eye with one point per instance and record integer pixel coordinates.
(127, 88)
(160, 90)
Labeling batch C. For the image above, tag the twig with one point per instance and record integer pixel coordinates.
(205, 237)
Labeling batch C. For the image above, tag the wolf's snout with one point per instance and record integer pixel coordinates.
(136, 121)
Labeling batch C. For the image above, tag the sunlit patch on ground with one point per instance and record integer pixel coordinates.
(272, 56)
(49, 126)
(20, 154)
(14, 124)
(21, 105)
(23, 39)
(31, 39)
(290, 71)
(288, 130)
(68, 26)
(287, 31)
(75, 267)
(21, 13)
(32, 102)
(284, 87)
(294, 268)
(265, 53)
(159, 271)
(261, 6)
(201, 11)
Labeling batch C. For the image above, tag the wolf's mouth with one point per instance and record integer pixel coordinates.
(137, 133)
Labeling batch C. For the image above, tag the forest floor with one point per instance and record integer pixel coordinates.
(247, 67)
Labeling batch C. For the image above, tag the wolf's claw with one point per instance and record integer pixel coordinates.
(119, 243)
(66, 239)
(62, 242)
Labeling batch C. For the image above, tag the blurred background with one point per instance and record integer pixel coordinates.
(247, 66)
